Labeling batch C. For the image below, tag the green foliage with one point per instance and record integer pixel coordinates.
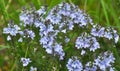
(105, 12)
(3, 10)
(3, 47)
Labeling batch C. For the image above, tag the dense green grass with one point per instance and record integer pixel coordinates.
(104, 12)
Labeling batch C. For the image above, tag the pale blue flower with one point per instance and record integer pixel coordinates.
(74, 65)
(37, 23)
(108, 35)
(42, 10)
(95, 44)
(8, 38)
(31, 34)
(99, 33)
(54, 19)
(83, 52)
(49, 50)
(87, 41)
(27, 18)
(58, 50)
(44, 40)
(45, 30)
(21, 33)
(105, 60)
(63, 31)
(89, 66)
(33, 68)
(116, 36)
(25, 61)
(70, 25)
(12, 30)
(20, 40)
(112, 69)
(67, 39)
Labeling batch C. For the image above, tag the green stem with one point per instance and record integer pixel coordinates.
(12, 69)
(105, 12)
(85, 4)
(26, 52)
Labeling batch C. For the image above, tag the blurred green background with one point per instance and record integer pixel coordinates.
(103, 12)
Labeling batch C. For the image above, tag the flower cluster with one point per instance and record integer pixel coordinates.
(63, 19)
(74, 65)
(103, 62)
(89, 66)
(87, 41)
(14, 30)
(64, 16)
(11, 30)
(108, 33)
(27, 34)
(25, 61)
(48, 35)
(33, 69)
(27, 17)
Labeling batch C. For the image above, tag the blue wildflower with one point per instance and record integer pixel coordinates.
(12, 30)
(25, 61)
(33, 68)
(105, 61)
(74, 65)
(87, 41)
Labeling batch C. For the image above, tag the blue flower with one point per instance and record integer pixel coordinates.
(74, 65)
(31, 34)
(49, 50)
(105, 60)
(59, 51)
(20, 40)
(95, 45)
(83, 52)
(116, 36)
(45, 30)
(44, 40)
(25, 61)
(41, 11)
(99, 33)
(67, 39)
(87, 41)
(108, 33)
(8, 38)
(89, 66)
(54, 19)
(27, 18)
(12, 30)
(33, 68)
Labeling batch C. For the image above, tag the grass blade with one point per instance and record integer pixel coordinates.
(3, 10)
(105, 12)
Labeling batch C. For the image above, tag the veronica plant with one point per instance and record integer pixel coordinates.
(66, 39)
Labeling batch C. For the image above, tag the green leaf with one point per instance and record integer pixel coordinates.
(3, 47)
(37, 3)
(3, 10)
(105, 12)
(21, 2)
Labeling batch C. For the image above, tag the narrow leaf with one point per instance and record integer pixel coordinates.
(3, 47)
